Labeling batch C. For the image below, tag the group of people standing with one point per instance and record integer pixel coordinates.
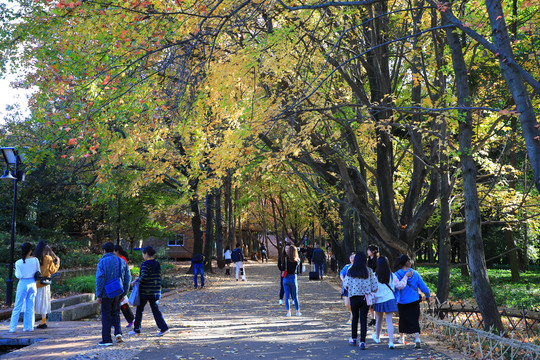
(370, 283)
(34, 271)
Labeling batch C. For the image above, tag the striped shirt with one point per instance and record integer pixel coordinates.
(150, 280)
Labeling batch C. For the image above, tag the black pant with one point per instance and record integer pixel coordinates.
(359, 310)
(158, 317)
(282, 289)
(110, 317)
(128, 314)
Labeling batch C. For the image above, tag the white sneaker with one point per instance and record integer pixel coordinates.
(298, 313)
(374, 337)
(133, 332)
(161, 333)
(119, 338)
(280, 302)
(288, 314)
(391, 345)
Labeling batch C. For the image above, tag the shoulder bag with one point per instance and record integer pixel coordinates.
(114, 287)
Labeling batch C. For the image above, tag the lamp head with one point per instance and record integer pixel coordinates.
(7, 175)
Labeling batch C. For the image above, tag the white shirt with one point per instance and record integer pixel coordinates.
(384, 293)
(27, 269)
(228, 255)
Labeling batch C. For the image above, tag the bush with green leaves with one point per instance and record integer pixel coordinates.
(81, 284)
(507, 294)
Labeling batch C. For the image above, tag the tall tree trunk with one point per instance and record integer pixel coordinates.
(209, 242)
(443, 281)
(219, 227)
(475, 247)
(517, 87)
(509, 233)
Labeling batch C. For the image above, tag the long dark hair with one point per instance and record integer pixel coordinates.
(43, 249)
(401, 261)
(383, 270)
(292, 255)
(121, 251)
(25, 249)
(359, 267)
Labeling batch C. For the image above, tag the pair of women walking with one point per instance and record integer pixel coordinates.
(33, 293)
(389, 293)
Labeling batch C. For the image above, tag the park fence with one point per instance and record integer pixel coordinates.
(460, 325)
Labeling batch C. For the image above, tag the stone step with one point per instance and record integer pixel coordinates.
(75, 312)
(56, 304)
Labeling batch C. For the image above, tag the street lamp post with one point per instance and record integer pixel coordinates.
(12, 158)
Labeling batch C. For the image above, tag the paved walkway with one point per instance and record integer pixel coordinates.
(234, 320)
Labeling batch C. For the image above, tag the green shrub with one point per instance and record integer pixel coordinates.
(81, 284)
(135, 271)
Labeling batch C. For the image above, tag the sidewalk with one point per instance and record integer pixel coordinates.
(229, 319)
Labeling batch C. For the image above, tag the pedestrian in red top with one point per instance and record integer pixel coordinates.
(126, 310)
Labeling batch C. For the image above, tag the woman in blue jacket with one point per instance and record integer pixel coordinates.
(408, 299)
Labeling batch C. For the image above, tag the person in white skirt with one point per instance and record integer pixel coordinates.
(25, 270)
(49, 264)
(385, 301)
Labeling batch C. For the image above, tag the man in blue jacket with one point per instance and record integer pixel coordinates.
(319, 259)
(111, 267)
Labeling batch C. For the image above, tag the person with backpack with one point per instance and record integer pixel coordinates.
(408, 299)
(385, 301)
(198, 262)
(112, 284)
(238, 258)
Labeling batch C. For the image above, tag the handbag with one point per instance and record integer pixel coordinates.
(114, 287)
(284, 273)
(44, 280)
(370, 299)
(134, 297)
(37, 275)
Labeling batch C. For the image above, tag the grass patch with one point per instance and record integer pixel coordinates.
(507, 294)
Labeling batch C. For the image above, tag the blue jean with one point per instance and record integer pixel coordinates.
(110, 317)
(319, 268)
(291, 289)
(26, 291)
(198, 268)
(158, 316)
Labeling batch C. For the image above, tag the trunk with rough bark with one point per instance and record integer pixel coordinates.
(475, 246)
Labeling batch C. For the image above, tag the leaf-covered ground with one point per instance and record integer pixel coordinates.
(243, 320)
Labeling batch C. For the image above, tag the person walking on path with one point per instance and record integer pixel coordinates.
(373, 255)
(264, 254)
(319, 259)
(150, 291)
(198, 262)
(49, 264)
(25, 270)
(281, 267)
(227, 257)
(359, 282)
(344, 293)
(124, 305)
(408, 299)
(385, 301)
(238, 258)
(290, 283)
(110, 269)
